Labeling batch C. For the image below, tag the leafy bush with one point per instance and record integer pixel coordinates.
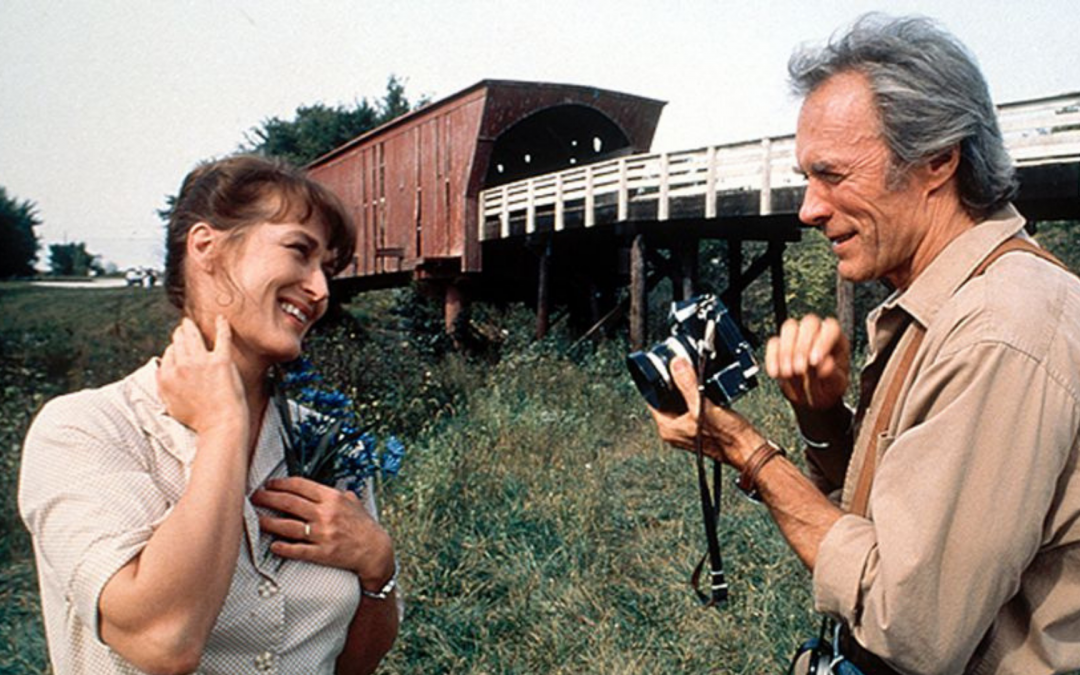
(395, 366)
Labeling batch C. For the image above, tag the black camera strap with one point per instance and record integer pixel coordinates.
(710, 510)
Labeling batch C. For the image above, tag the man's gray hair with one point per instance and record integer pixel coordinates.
(930, 96)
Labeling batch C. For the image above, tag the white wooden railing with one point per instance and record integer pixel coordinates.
(1036, 132)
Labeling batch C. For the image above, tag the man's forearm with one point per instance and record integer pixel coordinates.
(803, 514)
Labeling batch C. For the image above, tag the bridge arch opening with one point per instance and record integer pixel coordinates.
(553, 139)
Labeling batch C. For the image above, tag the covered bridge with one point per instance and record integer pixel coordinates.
(413, 185)
(547, 193)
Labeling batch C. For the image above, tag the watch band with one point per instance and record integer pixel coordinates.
(811, 443)
(384, 592)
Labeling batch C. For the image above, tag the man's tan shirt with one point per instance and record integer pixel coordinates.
(969, 558)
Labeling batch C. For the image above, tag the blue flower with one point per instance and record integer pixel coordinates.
(322, 441)
(301, 372)
(391, 459)
(331, 400)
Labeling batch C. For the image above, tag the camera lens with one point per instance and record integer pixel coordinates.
(651, 371)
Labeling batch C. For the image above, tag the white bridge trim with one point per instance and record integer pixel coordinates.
(1042, 131)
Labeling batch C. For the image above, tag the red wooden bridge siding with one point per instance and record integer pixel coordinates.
(412, 185)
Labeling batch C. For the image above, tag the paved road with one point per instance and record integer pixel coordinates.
(89, 283)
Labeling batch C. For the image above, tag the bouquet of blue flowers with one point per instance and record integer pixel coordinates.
(323, 439)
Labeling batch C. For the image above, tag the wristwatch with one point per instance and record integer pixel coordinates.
(384, 592)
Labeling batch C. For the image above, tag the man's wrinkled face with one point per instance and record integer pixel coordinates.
(873, 220)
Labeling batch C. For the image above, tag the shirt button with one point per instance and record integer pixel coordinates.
(267, 589)
(264, 663)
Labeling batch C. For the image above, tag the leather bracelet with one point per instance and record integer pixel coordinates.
(383, 592)
(747, 482)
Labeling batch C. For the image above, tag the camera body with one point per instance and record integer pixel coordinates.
(700, 326)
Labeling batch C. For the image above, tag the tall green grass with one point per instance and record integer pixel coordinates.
(545, 529)
(541, 525)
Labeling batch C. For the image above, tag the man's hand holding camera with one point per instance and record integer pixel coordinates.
(729, 437)
(811, 361)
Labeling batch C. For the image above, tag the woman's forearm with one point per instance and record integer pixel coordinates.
(158, 610)
(371, 634)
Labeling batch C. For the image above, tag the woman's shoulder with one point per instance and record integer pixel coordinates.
(95, 410)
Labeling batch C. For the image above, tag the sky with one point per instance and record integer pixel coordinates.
(106, 104)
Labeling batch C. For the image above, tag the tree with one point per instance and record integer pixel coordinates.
(318, 129)
(315, 129)
(18, 241)
(394, 103)
(73, 260)
(1062, 238)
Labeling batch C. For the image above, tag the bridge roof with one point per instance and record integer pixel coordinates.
(573, 93)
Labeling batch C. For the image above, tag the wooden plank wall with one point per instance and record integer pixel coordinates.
(406, 188)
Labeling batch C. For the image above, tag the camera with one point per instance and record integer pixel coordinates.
(701, 327)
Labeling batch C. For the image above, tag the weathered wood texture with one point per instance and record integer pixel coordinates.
(413, 184)
(639, 308)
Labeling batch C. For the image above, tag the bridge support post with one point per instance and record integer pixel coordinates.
(639, 301)
(845, 306)
(686, 253)
(735, 277)
(776, 275)
(543, 292)
(453, 306)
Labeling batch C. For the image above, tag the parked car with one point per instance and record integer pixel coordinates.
(140, 276)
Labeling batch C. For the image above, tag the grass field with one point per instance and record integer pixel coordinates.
(541, 526)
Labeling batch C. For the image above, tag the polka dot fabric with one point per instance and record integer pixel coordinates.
(101, 468)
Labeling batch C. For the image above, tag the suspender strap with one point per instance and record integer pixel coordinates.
(1017, 244)
(860, 498)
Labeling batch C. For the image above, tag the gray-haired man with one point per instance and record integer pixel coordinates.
(959, 551)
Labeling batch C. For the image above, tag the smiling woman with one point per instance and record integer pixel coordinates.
(231, 195)
(156, 503)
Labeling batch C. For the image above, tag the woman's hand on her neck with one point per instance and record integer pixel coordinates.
(201, 387)
(148, 613)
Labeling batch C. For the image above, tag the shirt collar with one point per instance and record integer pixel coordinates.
(142, 392)
(954, 265)
(269, 449)
(180, 441)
